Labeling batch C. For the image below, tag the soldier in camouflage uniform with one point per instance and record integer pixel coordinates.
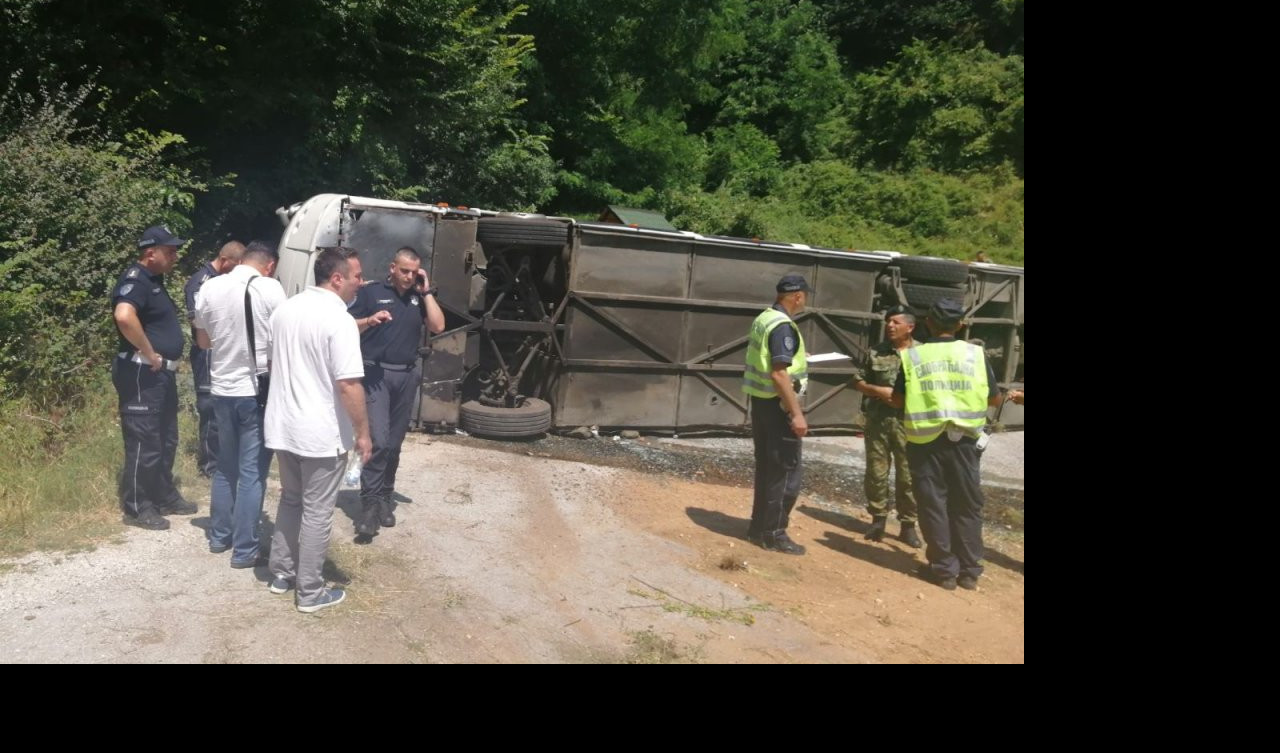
(885, 439)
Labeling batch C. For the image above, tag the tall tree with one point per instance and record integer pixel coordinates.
(871, 32)
(413, 98)
(941, 108)
(650, 95)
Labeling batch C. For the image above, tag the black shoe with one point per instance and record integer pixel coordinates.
(925, 572)
(246, 564)
(179, 506)
(368, 523)
(782, 543)
(398, 497)
(386, 514)
(876, 531)
(149, 520)
(908, 536)
(967, 582)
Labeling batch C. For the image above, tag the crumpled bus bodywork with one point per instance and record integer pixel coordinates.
(625, 327)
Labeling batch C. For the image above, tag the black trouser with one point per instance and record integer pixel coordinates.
(778, 469)
(388, 398)
(149, 422)
(207, 446)
(207, 450)
(948, 484)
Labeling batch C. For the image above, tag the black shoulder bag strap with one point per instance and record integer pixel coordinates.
(253, 349)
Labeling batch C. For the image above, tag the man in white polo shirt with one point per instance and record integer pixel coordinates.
(315, 412)
(235, 503)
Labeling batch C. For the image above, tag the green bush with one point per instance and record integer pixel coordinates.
(743, 159)
(72, 204)
(59, 469)
(831, 204)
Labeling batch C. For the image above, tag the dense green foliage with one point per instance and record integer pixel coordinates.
(846, 123)
(71, 200)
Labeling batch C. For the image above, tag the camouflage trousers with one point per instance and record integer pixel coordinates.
(886, 442)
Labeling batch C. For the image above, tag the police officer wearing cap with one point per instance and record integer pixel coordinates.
(207, 447)
(884, 438)
(143, 373)
(390, 316)
(776, 373)
(945, 388)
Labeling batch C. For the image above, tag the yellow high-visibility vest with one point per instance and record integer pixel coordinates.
(946, 385)
(755, 380)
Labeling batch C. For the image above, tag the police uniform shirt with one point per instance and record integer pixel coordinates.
(155, 309)
(900, 384)
(203, 275)
(199, 356)
(395, 341)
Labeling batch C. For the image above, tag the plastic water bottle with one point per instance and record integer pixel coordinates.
(351, 479)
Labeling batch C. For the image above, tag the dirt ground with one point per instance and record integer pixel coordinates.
(558, 550)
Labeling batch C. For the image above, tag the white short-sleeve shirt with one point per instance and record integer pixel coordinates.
(315, 343)
(220, 313)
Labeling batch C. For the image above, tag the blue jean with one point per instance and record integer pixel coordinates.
(239, 483)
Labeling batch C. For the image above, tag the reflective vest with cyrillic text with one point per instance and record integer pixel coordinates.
(946, 385)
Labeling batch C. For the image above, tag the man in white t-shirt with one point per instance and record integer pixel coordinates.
(315, 412)
(235, 504)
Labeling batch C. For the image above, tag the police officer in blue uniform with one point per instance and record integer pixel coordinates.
(775, 375)
(144, 375)
(207, 446)
(390, 316)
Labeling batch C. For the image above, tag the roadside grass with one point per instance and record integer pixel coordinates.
(647, 647)
(669, 603)
(59, 470)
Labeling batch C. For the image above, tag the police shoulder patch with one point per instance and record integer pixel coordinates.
(789, 342)
(124, 289)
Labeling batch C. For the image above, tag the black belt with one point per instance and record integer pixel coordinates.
(391, 366)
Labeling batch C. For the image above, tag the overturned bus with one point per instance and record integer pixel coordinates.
(553, 322)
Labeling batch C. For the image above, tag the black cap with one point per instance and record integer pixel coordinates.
(947, 311)
(899, 309)
(159, 235)
(792, 283)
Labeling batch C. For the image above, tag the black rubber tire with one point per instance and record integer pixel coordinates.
(515, 231)
(922, 297)
(922, 269)
(529, 420)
